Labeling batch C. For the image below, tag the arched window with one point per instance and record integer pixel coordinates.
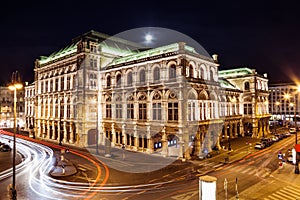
(156, 74)
(201, 73)
(172, 71)
(191, 71)
(118, 80)
(142, 76)
(108, 81)
(129, 78)
(247, 86)
(211, 75)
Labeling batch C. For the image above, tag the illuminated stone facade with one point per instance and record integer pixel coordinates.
(254, 99)
(7, 108)
(168, 100)
(284, 102)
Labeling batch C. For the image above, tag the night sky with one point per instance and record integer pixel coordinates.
(259, 34)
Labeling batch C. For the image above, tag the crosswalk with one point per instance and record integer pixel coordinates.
(210, 164)
(286, 193)
(250, 170)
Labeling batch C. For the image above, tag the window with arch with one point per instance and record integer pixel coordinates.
(246, 85)
(191, 71)
(172, 71)
(201, 73)
(129, 78)
(108, 81)
(156, 106)
(172, 107)
(108, 107)
(142, 76)
(119, 108)
(118, 79)
(192, 102)
(130, 107)
(211, 75)
(142, 107)
(156, 74)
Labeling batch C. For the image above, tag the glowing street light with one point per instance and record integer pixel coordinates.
(14, 86)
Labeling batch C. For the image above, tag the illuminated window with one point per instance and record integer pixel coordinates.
(173, 111)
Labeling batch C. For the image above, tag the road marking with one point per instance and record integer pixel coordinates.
(247, 170)
(185, 196)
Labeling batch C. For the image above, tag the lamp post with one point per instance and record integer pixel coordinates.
(14, 86)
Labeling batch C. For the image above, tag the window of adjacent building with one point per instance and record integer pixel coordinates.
(68, 82)
(173, 111)
(68, 109)
(142, 111)
(172, 71)
(56, 85)
(62, 83)
(62, 109)
(56, 108)
(118, 80)
(156, 108)
(156, 74)
(247, 86)
(142, 76)
(129, 78)
(130, 111)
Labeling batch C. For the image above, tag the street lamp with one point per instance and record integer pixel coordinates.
(14, 86)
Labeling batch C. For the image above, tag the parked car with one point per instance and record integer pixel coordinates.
(259, 145)
(287, 134)
(280, 136)
(268, 141)
(5, 147)
(275, 138)
(292, 130)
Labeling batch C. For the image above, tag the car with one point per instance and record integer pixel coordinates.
(280, 136)
(5, 148)
(259, 145)
(267, 141)
(292, 130)
(287, 134)
(275, 138)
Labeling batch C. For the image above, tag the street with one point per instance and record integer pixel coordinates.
(142, 176)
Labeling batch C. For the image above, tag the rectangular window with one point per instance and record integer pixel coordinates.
(130, 111)
(118, 111)
(156, 107)
(173, 111)
(142, 111)
(108, 110)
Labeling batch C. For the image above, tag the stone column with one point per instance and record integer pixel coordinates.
(71, 133)
(124, 139)
(48, 129)
(164, 143)
(53, 130)
(113, 133)
(65, 132)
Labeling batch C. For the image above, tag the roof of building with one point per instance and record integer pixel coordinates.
(153, 53)
(236, 72)
(226, 84)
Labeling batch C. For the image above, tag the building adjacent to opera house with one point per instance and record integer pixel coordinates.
(170, 100)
